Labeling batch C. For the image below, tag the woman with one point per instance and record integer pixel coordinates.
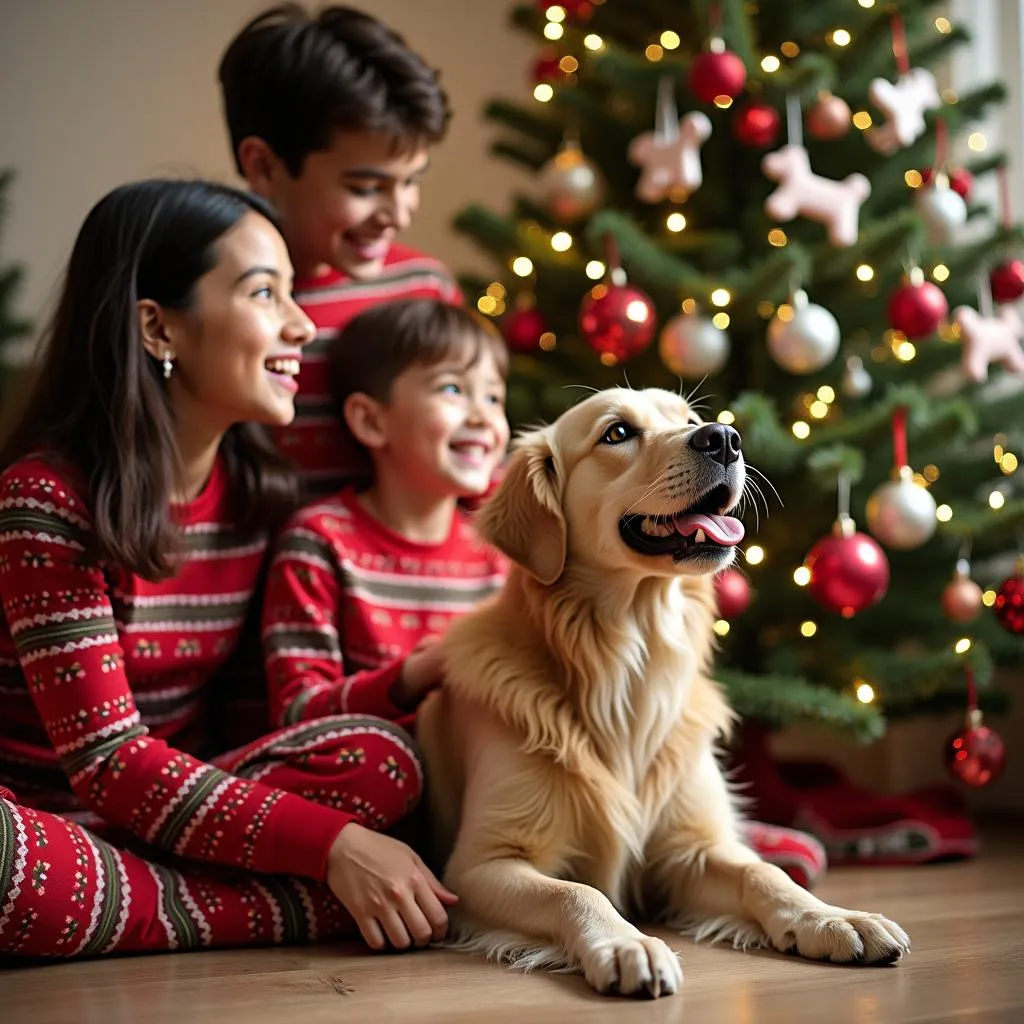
(136, 500)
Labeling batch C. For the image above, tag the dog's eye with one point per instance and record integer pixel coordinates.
(617, 433)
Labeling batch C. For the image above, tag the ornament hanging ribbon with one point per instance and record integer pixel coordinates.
(899, 44)
(899, 440)
(941, 146)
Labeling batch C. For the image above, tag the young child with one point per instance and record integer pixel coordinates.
(331, 119)
(363, 582)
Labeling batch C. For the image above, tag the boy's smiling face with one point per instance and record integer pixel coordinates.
(345, 207)
(442, 430)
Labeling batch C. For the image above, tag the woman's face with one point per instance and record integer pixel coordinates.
(237, 350)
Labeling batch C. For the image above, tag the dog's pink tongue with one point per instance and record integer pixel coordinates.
(724, 530)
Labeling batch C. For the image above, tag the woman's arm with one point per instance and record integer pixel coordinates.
(57, 605)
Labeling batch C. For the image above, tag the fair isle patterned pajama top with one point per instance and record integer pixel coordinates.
(105, 712)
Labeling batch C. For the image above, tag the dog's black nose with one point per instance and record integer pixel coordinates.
(720, 442)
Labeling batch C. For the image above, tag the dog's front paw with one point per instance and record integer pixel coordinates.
(842, 936)
(637, 965)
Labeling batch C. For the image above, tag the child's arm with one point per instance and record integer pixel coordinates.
(57, 604)
(306, 671)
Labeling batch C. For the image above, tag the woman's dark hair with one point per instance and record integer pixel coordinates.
(385, 340)
(293, 78)
(99, 401)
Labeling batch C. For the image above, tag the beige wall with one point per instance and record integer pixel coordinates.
(97, 92)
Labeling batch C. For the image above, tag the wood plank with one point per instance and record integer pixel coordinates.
(967, 964)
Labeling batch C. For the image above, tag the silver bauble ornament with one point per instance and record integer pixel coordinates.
(571, 185)
(944, 211)
(901, 513)
(692, 346)
(805, 337)
(857, 382)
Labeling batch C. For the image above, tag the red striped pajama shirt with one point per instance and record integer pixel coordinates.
(348, 600)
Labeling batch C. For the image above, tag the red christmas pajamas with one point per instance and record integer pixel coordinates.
(66, 892)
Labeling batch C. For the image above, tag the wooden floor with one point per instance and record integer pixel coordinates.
(967, 965)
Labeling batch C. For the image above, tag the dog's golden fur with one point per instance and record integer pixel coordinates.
(572, 751)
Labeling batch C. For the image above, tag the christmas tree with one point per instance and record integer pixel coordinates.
(757, 201)
(12, 327)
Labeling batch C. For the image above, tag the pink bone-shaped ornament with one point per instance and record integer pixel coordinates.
(989, 339)
(835, 203)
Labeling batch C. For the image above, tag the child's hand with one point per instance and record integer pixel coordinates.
(390, 892)
(422, 672)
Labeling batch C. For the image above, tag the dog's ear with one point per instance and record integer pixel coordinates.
(524, 517)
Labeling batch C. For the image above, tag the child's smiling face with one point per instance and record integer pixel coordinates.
(446, 426)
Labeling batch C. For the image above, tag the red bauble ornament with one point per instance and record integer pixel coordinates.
(961, 181)
(522, 329)
(849, 571)
(976, 754)
(1007, 281)
(575, 10)
(757, 125)
(545, 67)
(717, 73)
(617, 320)
(917, 309)
(1009, 606)
(732, 592)
(829, 118)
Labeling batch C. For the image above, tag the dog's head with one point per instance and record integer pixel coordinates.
(626, 480)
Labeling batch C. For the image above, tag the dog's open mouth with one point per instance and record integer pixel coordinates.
(700, 529)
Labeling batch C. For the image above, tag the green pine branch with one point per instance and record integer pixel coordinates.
(778, 701)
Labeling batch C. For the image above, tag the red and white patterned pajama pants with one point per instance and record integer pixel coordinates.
(66, 892)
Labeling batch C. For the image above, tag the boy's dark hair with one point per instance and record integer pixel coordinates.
(293, 78)
(99, 402)
(383, 341)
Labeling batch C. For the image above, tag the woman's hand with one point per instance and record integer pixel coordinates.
(387, 888)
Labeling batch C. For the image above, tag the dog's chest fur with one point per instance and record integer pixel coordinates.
(619, 790)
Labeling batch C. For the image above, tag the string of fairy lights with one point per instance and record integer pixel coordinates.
(812, 408)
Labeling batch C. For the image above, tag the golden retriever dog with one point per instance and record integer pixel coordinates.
(571, 754)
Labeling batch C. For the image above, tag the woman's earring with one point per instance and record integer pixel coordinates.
(168, 366)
